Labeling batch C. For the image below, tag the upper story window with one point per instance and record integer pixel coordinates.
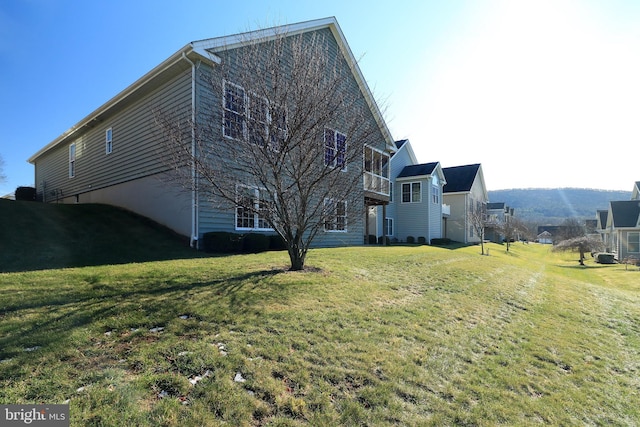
(108, 141)
(248, 116)
(72, 160)
(335, 149)
(435, 194)
(411, 192)
(234, 111)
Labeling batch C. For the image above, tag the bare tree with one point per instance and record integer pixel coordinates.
(477, 217)
(582, 244)
(572, 228)
(286, 148)
(511, 228)
(3, 177)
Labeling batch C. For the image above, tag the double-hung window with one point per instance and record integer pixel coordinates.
(411, 192)
(335, 149)
(633, 242)
(250, 117)
(234, 111)
(335, 215)
(72, 160)
(388, 226)
(108, 141)
(252, 209)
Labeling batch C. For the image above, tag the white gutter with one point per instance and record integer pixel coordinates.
(194, 190)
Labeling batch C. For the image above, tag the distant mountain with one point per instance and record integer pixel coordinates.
(552, 206)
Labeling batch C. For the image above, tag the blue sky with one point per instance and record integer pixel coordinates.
(543, 93)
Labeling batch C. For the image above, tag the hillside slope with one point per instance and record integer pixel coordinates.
(36, 236)
(552, 206)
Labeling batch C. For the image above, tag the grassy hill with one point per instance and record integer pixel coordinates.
(366, 336)
(35, 236)
(552, 206)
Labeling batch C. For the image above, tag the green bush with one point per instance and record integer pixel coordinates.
(384, 240)
(276, 243)
(26, 193)
(255, 242)
(372, 239)
(222, 242)
(411, 239)
(441, 241)
(422, 240)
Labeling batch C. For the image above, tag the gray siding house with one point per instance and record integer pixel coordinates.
(619, 226)
(415, 209)
(114, 155)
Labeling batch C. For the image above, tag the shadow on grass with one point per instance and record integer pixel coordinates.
(43, 319)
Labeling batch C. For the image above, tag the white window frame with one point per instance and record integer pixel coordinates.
(332, 222)
(253, 215)
(389, 226)
(637, 241)
(108, 141)
(412, 192)
(72, 160)
(435, 194)
(331, 138)
(239, 116)
(246, 113)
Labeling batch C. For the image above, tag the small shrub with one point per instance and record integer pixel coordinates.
(26, 193)
(411, 239)
(276, 243)
(372, 239)
(422, 240)
(255, 242)
(441, 241)
(384, 240)
(222, 242)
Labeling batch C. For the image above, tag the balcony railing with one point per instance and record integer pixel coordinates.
(376, 184)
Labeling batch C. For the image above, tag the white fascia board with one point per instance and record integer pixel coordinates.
(123, 95)
(413, 178)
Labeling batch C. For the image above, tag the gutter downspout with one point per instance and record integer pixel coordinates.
(194, 186)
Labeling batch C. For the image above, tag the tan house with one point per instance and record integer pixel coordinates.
(465, 192)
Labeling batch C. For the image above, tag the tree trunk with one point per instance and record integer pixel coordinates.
(297, 255)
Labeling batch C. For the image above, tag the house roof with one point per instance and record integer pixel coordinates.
(422, 169)
(460, 178)
(602, 216)
(206, 50)
(625, 213)
(400, 143)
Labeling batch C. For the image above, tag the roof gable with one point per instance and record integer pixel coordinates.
(423, 169)
(460, 178)
(625, 214)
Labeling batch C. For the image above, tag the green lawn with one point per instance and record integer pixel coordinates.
(366, 336)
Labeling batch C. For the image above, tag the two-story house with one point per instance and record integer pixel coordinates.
(114, 155)
(465, 193)
(415, 211)
(619, 226)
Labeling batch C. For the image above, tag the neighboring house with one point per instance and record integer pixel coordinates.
(498, 213)
(601, 227)
(113, 155)
(415, 209)
(545, 237)
(622, 232)
(465, 192)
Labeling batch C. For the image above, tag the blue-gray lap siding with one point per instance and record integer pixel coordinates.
(215, 215)
(136, 153)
